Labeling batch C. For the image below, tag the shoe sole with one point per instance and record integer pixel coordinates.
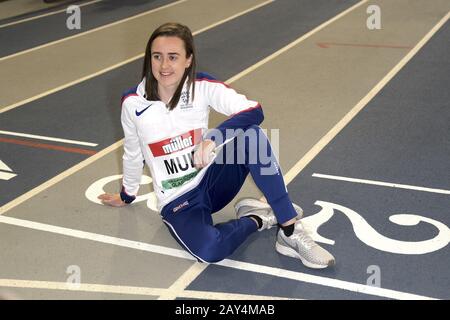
(250, 202)
(260, 204)
(294, 254)
(254, 204)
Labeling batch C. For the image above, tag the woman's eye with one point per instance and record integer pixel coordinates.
(156, 57)
(172, 58)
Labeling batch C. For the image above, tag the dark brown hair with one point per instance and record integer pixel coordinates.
(170, 29)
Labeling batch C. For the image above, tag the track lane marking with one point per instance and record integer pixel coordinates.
(33, 136)
(47, 146)
(380, 183)
(44, 15)
(179, 286)
(129, 290)
(326, 45)
(7, 175)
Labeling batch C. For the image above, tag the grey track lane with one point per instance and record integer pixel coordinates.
(33, 33)
(90, 111)
(19, 10)
(402, 136)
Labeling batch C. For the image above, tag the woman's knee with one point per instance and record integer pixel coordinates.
(254, 135)
(254, 131)
(210, 253)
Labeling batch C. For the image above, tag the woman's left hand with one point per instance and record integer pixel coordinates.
(204, 153)
(112, 199)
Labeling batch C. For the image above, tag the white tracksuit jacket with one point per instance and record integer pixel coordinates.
(166, 139)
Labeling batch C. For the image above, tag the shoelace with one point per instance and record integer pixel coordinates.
(304, 238)
(273, 220)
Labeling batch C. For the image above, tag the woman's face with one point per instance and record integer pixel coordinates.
(169, 61)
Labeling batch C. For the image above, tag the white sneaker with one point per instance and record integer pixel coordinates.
(301, 246)
(251, 206)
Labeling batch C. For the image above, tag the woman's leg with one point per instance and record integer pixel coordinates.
(252, 152)
(192, 226)
(189, 216)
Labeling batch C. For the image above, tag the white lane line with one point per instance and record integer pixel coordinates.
(97, 237)
(227, 296)
(7, 176)
(91, 31)
(69, 84)
(45, 15)
(118, 65)
(4, 166)
(233, 17)
(179, 286)
(130, 290)
(87, 287)
(323, 281)
(379, 183)
(312, 153)
(32, 136)
(178, 253)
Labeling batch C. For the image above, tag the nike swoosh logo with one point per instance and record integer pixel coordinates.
(138, 113)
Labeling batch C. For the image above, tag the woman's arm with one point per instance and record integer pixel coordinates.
(242, 112)
(133, 161)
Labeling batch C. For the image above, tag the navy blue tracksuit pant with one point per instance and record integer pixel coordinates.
(189, 216)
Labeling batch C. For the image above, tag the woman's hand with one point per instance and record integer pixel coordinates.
(112, 199)
(204, 153)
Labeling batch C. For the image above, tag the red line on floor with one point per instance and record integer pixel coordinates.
(47, 146)
(326, 45)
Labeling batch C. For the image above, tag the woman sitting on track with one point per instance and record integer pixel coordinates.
(196, 172)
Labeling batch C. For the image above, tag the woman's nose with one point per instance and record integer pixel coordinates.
(164, 63)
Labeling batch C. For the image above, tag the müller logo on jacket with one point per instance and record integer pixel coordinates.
(177, 143)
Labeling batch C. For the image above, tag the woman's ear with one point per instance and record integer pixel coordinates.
(188, 62)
